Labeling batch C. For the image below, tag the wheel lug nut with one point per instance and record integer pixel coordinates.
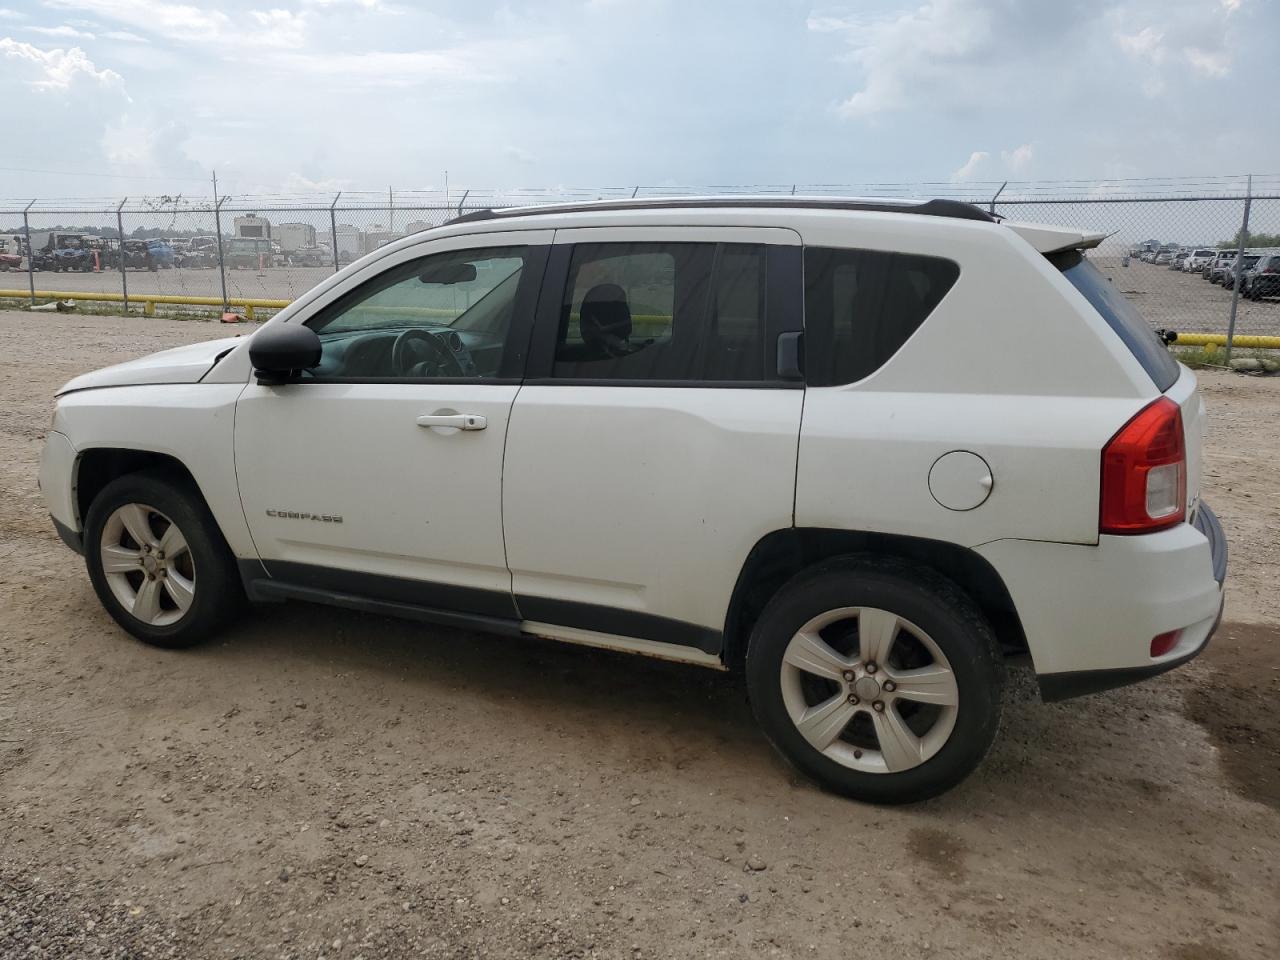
(848, 675)
(878, 706)
(890, 686)
(853, 700)
(871, 668)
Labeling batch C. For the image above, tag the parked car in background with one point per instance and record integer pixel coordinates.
(1222, 263)
(1229, 276)
(1163, 257)
(136, 255)
(1198, 260)
(1175, 263)
(161, 253)
(1262, 279)
(201, 254)
(64, 252)
(848, 513)
(248, 253)
(309, 257)
(10, 261)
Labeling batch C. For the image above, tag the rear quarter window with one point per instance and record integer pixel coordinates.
(861, 306)
(1121, 316)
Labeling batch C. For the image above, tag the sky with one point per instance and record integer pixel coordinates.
(123, 97)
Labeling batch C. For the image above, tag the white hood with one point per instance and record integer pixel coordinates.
(179, 365)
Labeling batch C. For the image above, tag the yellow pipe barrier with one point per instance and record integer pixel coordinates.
(251, 304)
(149, 300)
(1220, 340)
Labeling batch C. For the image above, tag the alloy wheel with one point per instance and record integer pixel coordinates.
(869, 689)
(147, 564)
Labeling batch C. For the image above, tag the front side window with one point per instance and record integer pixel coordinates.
(860, 306)
(663, 311)
(445, 316)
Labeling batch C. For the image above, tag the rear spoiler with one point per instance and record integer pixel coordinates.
(1048, 239)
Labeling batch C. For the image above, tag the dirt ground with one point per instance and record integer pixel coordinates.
(325, 784)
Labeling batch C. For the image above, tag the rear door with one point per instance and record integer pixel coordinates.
(653, 442)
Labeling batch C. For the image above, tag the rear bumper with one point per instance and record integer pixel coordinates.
(1090, 612)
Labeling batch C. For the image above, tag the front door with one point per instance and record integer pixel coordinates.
(379, 473)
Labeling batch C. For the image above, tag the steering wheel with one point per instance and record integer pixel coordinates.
(418, 348)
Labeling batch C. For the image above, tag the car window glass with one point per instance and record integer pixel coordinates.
(862, 305)
(663, 311)
(443, 316)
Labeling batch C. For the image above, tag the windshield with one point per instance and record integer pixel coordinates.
(1121, 316)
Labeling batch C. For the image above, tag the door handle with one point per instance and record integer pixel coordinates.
(459, 421)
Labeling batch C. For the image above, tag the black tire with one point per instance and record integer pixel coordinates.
(218, 595)
(932, 603)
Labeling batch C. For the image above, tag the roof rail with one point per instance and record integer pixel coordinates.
(955, 209)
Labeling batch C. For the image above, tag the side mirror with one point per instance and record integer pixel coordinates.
(279, 352)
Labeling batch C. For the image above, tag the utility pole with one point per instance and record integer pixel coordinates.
(124, 277)
(1235, 287)
(31, 251)
(217, 225)
(333, 230)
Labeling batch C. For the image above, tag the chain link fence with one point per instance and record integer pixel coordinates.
(269, 250)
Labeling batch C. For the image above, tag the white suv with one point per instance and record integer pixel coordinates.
(863, 451)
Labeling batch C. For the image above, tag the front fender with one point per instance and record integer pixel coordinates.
(192, 423)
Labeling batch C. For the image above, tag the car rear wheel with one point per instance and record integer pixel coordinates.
(879, 679)
(158, 562)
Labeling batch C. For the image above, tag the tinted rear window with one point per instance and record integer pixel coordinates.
(860, 306)
(1121, 316)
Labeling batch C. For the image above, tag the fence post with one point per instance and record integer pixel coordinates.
(992, 208)
(1235, 287)
(222, 260)
(124, 277)
(333, 230)
(31, 252)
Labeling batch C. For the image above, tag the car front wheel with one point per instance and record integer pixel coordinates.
(158, 562)
(879, 679)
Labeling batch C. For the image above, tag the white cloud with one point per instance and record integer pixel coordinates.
(1019, 158)
(172, 20)
(125, 36)
(969, 171)
(55, 69)
(297, 183)
(1195, 35)
(519, 154)
(1209, 62)
(904, 53)
(7, 14)
(1146, 44)
(367, 4)
(280, 28)
(64, 30)
(183, 23)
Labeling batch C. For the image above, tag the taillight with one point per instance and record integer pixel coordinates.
(1144, 472)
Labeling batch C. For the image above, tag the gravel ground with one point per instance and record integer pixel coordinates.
(323, 784)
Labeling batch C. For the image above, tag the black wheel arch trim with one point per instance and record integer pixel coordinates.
(780, 554)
